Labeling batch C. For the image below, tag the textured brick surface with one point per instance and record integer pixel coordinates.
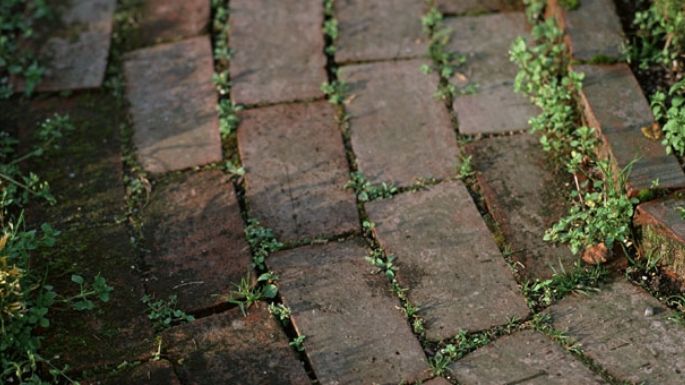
(399, 131)
(485, 42)
(461, 7)
(621, 123)
(437, 381)
(149, 373)
(525, 197)
(526, 357)
(593, 30)
(296, 170)
(448, 260)
(195, 239)
(277, 50)
(379, 30)
(615, 333)
(663, 213)
(228, 348)
(173, 104)
(164, 20)
(356, 335)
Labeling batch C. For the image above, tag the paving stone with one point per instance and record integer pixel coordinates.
(393, 111)
(75, 51)
(149, 373)
(616, 332)
(485, 42)
(163, 20)
(662, 234)
(471, 7)
(262, 71)
(379, 30)
(195, 238)
(438, 381)
(621, 126)
(525, 197)
(173, 104)
(296, 170)
(593, 30)
(356, 335)
(526, 357)
(448, 259)
(228, 348)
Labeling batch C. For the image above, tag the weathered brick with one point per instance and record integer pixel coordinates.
(379, 30)
(593, 30)
(485, 42)
(228, 348)
(163, 20)
(356, 335)
(296, 170)
(263, 70)
(615, 329)
(438, 381)
(620, 125)
(173, 104)
(195, 239)
(525, 197)
(470, 7)
(399, 131)
(526, 357)
(448, 259)
(149, 373)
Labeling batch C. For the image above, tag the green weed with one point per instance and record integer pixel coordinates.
(262, 242)
(466, 168)
(670, 109)
(660, 36)
(367, 191)
(463, 343)
(298, 343)
(164, 313)
(246, 295)
(281, 312)
(228, 117)
(542, 293)
(334, 91)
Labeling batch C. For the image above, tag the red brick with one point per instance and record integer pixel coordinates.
(525, 196)
(263, 70)
(296, 170)
(438, 381)
(149, 373)
(470, 7)
(195, 238)
(173, 104)
(228, 348)
(620, 125)
(163, 20)
(355, 332)
(526, 357)
(593, 30)
(399, 131)
(379, 30)
(448, 259)
(615, 330)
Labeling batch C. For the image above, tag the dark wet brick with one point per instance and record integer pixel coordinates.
(461, 7)
(379, 30)
(228, 348)
(277, 50)
(164, 20)
(613, 329)
(149, 373)
(356, 333)
(525, 197)
(399, 131)
(296, 170)
(448, 259)
(195, 239)
(173, 105)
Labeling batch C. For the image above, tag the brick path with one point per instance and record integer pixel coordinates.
(463, 248)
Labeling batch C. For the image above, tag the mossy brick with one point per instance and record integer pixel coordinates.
(447, 259)
(296, 170)
(113, 332)
(277, 50)
(84, 167)
(485, 41)
(379, 30)
(662, 236)
(163, 21)
(173, 105)
(195, 241)
(593, 30)
(525, 196)
(228, 348)
(356, 333)
(74, 50)
(148, 373)
(475, 7)
(620, 126)
(399, 131)
(627, 332)
(526, 357)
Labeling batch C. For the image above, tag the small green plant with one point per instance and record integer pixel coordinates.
(334, 91)
(234, 169)
(670, 109)
(228, 117)
(298, 343)
(463, 343)
(165, 313)
(581, 279)
(366, 191)
(222, 82)
(83, 300)
(659, 37)
(247, 295)
(281, 312)
(220, 30)
(383, 263)
(543, 323)
(466, 168)
(262, 242)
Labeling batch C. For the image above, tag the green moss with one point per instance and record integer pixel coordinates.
(661, 250)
